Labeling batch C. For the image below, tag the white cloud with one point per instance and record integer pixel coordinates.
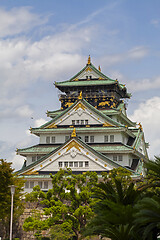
(144, 84)
(155, 22)
(148, 113)
(39, 122)
(24, 111)
(18, 20)
(135, 53)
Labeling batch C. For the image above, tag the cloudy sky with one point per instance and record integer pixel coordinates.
(46, 41)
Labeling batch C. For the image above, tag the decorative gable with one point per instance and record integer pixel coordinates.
(80, 114)
(74, 155)
(88, 73)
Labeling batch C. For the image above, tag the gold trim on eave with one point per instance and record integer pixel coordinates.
(73, 144)
(53, 125)
(106, 124)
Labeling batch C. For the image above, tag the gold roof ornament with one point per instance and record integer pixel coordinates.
(89, 60)
(73, 133)
(140, 126)
(80, 95)
(99, 68)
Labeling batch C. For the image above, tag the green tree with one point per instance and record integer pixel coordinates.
(114, 211)
(68, 204)
(7, 178)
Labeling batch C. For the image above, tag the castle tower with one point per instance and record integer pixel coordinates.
(90, 132)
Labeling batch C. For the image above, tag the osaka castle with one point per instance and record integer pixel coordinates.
(90, 131)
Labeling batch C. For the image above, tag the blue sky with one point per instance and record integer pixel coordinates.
(46, 41)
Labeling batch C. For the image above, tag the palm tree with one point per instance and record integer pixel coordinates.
(113, 210)
(147, 217)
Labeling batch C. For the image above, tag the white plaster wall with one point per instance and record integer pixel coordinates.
(53, 166)
(28, 190)
(98, 137)
(84, 116)
(127, 158)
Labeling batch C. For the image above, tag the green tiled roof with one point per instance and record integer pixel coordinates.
(37, 149)
(98, 112)
(98, 154)
(90, 82)
(112, 148)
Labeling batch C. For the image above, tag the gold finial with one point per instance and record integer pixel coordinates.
(80, 95)
(140, 126)
(73, 133)
(89, 60)
(99, 68)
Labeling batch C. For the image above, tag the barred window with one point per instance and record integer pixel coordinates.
(114, 157)
(86, 122)
(106, 138)
(31, 184)
(73, 122)
(86, 164)
(53, 139)
(86, 139)
(82, 122)
(26, 184)
(91, 139)
(75, 164)
(60, 164)
(120, 158)
(70, 164)
(80, 164)
(66, 164)
(33, 158)
(48, 140)
(40, 184)
(111, 138)
(45, 185)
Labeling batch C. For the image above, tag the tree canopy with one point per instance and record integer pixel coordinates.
(7, 178)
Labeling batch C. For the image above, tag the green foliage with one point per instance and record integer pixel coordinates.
(114, 210)
(67, 204)
(7, 178)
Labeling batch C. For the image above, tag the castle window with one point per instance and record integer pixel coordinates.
(115, 158)
(47, 140)
(112, 138)
(45, 185)
(90, 77)
(77, 122)
(31, 184)
(80, 164)
(40, 184)
(91, 139)
(53, 139)
(33, 158)
(86, 122)
(60, 164)
(38, 157)
(66, 164)
(73, 122)
(86, 139)
(26, 184)
(106, 138)
(120, 158)
(87, 164)
(70, 164)
(66, 138)
(82, 122)
(75, 164)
